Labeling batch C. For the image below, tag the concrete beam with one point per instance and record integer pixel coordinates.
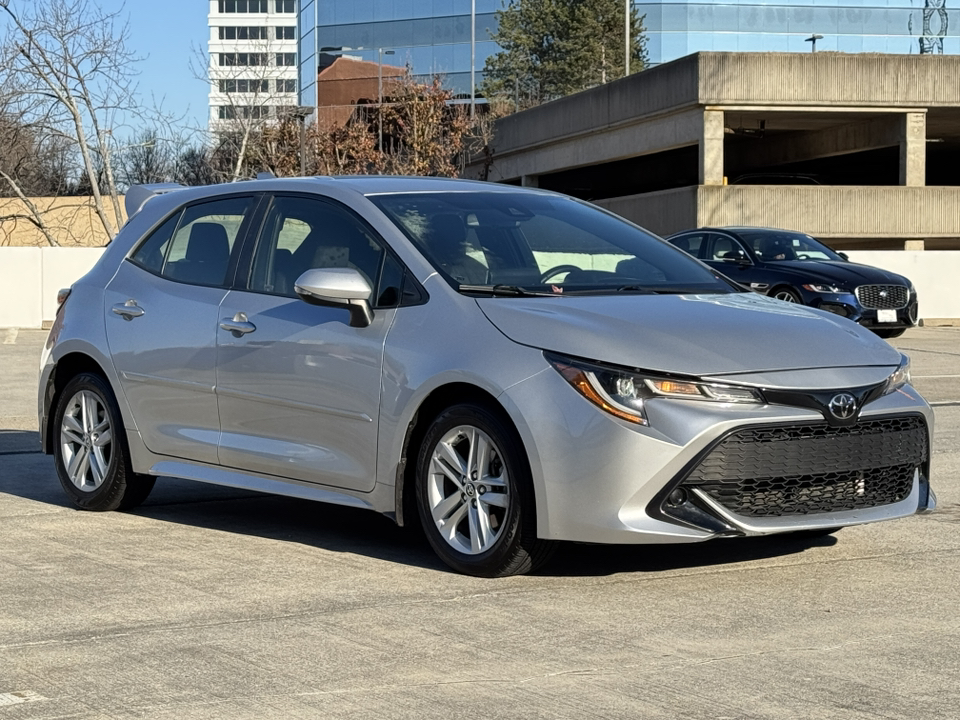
(644, 137)
(787, 148)
(711, 148)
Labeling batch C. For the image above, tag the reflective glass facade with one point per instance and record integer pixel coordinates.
(676, 27)
(433, 36)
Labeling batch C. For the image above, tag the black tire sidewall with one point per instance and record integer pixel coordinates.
(492, 562)
(110, 493)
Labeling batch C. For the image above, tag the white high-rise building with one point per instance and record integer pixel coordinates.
(253, 60)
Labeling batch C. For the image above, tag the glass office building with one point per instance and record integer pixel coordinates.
(679, 27)
(433, 36)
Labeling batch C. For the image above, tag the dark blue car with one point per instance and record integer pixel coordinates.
(793, 267)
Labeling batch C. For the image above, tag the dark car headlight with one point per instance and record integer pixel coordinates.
(623, 393)
(823, 288)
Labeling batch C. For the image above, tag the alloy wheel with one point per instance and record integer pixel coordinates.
(468, 491)
(86, 440)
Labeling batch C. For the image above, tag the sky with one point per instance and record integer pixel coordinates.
(166, 34)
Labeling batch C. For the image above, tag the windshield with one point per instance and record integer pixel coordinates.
(774, 246)
(527, 243)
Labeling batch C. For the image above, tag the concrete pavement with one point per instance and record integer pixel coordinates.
(208, 602)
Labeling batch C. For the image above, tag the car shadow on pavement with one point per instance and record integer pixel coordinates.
(29, 475)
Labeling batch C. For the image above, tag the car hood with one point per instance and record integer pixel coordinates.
(838, 272)
(690, 334)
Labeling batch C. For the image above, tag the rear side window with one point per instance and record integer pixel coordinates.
(689, 243)
(194, 246)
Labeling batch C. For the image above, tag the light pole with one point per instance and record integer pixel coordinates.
(473, 57)
(626, 35)
(813, 41)
(380, 53)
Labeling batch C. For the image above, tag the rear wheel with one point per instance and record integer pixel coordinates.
(475, 496)
(90, 449)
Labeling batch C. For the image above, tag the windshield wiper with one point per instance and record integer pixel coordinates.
(504, 291)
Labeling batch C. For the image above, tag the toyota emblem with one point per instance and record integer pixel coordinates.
(843, 406)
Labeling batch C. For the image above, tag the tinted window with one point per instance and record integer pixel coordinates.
(726, 248)
(540, 242)
(691, 244)
(773, 245)
(199, 252)
(152, 251)
(303, 233)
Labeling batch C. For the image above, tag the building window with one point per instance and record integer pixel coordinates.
(243, 6)
(243, 33)
(286, 86)
(286, 6)
(286, 33)
(245, 112)
(286, 59)
(244, 85)
(243, 59)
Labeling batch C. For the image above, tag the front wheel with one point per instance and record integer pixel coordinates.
(475, 496)
(787, 295)
(90, 450)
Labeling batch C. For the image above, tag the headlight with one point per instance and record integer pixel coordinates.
(622, 392)
(899, 378)
(823, 288)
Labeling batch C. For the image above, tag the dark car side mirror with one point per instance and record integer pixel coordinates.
(844, 255)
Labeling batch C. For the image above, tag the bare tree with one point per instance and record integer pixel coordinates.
(69, 61)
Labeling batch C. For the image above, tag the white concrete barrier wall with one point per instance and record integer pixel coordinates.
(31, 277)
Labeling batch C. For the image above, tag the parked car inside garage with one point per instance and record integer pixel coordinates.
(794, 267)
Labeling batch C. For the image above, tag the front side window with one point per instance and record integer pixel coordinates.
(503, 242)
(305, 233)
(774, 245)
(726, 248)
(199, 251)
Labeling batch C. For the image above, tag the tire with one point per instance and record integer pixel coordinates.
(786, 294)
(889, 334)
(90, 448)
(480, 520)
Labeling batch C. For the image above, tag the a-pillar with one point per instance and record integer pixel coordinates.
(913, 149)
(711, 148)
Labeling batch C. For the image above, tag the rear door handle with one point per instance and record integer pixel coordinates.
(239, 325)
(128, 310)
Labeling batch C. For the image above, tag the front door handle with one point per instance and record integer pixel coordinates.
(128, 310)
(239, 325)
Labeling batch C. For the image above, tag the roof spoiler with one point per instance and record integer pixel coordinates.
(138, 195)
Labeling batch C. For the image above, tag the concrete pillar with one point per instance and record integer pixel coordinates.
(530, 181)
(913, 244)
(913, 149)
(711, 148)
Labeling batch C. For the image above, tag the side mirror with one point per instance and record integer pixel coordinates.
(738, 259)
(338, 287)
(844, 255)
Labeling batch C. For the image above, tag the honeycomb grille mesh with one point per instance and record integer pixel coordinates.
(809, 469)
(883, 297)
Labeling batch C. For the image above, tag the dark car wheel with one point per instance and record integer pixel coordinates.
(475, 496)
(887, 334)
(90, 448)
(786, 294)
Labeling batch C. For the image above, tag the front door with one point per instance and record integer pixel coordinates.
(298, 388)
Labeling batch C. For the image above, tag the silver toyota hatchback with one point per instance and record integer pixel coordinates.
(513, 367)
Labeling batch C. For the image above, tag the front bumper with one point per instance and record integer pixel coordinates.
(601, 480)
(846, 305)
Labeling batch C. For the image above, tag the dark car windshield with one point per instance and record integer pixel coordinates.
(773, 246)
(514, 244)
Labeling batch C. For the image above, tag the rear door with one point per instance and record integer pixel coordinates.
(299, 389)
(161, 311)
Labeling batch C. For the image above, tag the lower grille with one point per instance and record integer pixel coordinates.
(883, 297)
(809, 469)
